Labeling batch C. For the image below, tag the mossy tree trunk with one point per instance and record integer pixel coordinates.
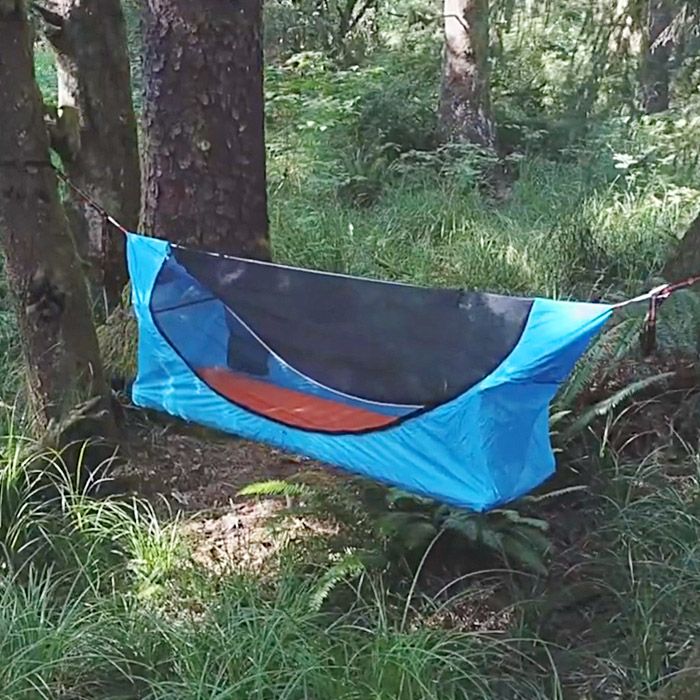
(43, 271)
(465, 106)
(204, 162)
(95, 131)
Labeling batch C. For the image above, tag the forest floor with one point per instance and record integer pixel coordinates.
(196, 475)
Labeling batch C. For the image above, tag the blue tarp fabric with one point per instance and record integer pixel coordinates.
(479, 448)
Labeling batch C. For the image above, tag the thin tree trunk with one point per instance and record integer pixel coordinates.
(465, 110)
(204, 162)
(654, 70)
(43, 271)
(685, 260)
(97, 138)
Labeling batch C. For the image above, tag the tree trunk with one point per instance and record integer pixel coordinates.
(654, 69)
(204, 162)
(685, 260)
(96, 130)
(465, 111)
(43, 271)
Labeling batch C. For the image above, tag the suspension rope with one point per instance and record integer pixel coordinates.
(90, 201)
(656, 297)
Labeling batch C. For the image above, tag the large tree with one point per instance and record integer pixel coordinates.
(656, 53)
(465, 109)
(43, 270)
(95, 132)
(204, 161)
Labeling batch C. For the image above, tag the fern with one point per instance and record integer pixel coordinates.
(275, 488)
(465, 526)
(602, 358)
(540, 498)
(606, 406)
(350, 566)
(519, 551)
(513, 517)
(410, 530)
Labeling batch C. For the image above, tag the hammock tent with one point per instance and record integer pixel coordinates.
(441, 392)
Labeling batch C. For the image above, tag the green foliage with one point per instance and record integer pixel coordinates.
(645, 557)
(606, 406)
(403, 526)
(45, 67)
(84, 620)
(274, 488)
(400, 114)
(349, 566)
(341, 28)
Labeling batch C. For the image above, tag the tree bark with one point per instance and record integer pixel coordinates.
(654, 69)
(465, 109)
(96, 130)
(204, 161)
(43, 271)
(685, 260)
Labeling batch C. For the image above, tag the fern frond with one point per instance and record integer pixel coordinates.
(512, 517)
(556, 417)
(350, 566)
(464, 525)
(402, 499)
(539, 498)
(518, 551)
(603, 357)
(275, 488)
(608, 405)
(409, 529)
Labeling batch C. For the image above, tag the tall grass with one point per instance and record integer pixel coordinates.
(600, 214)
(100, 599)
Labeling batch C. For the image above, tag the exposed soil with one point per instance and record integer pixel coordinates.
(195, 470)
(197, 474)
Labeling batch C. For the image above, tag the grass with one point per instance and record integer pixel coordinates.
(115, 607)
(568, 223)
(101, 598)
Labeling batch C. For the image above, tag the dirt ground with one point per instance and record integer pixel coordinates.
(197, 474)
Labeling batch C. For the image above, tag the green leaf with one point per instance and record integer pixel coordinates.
(512, 516)
(606, 406)
(539, 498)
(535, 539)
(396, 498)
(393, 523)
(518, 551)
(274, 488)
(465, 526)
(418, 535)
(350, 566)
(491, 539)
